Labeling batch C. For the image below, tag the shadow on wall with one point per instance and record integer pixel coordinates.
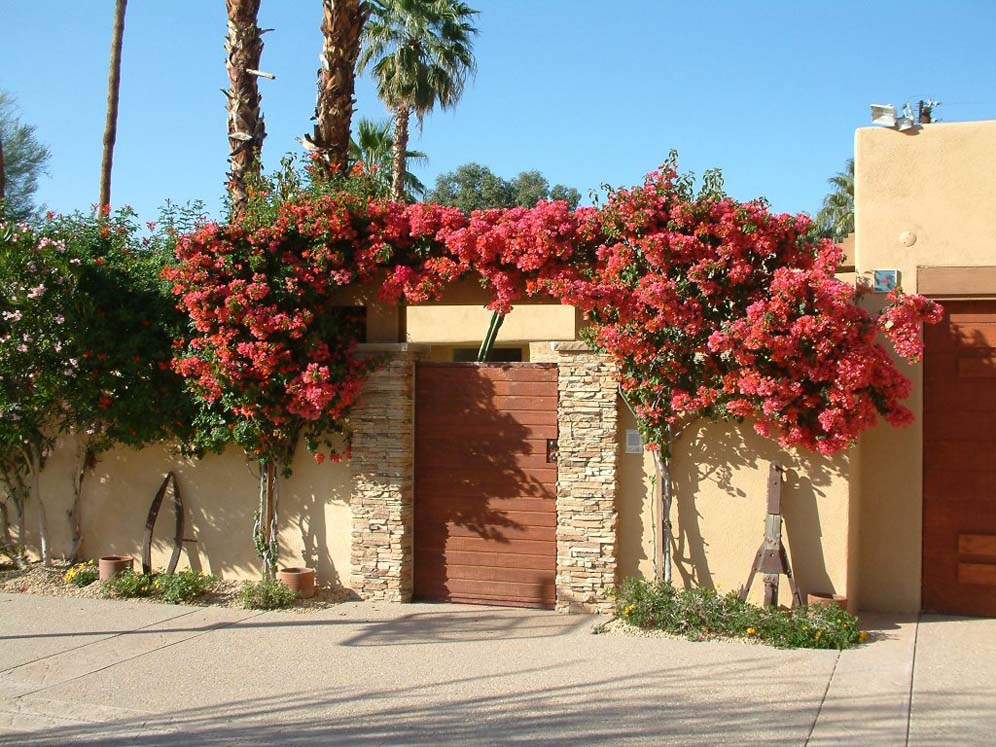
(720, 472)
(220, 494)
(481, 475)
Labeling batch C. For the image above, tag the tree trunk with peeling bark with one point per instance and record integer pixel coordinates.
(246, 130)
(342, 28)
(400, 161)
(35, 466)
(85, 460)
(111, 121)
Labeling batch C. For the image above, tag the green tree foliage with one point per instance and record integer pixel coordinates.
(835, 220)
(373, 149)
(24, 160)
(475, 187)
(421, 54)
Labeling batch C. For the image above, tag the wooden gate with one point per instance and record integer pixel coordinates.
(959, 461)
(485, 483)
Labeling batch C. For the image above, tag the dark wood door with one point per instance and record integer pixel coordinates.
(959, 461)
(485, 491)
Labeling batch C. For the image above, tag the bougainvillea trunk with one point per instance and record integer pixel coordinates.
(246, 130)
(113, 89)
(662, 466)
(342, 27)
(399, 161)
(266, 524)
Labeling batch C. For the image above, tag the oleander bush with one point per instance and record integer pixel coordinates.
(701, 614)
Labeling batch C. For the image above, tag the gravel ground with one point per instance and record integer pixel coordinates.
(37, 579)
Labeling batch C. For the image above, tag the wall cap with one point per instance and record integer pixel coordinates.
(392, 347)
(571, 346)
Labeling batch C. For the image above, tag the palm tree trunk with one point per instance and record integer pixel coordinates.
(399, 163)
(246, 130)
(342, 27)
(111, 122)
(3, 178)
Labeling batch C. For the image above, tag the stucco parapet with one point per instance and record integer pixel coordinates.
(393, 347)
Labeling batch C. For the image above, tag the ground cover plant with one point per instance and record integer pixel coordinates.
(82, 574)
(177, 588)
(266, 594)
(701, 614)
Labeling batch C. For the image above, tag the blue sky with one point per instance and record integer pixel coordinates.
(587, 92)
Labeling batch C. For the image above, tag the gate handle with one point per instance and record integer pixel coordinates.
(552, 451)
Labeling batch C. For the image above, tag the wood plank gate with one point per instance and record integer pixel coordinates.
(959, 460)
(485, 483)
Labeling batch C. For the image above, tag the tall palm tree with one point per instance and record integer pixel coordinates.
(246, 130)
(373, 149)
(111, 120)
(421, 53)
(835, 219)
(342, 28)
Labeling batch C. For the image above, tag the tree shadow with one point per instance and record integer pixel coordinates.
(482, 480)
(719, 472)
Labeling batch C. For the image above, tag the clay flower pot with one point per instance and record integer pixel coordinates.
(301, 580)
(113, 565)
(827, 599)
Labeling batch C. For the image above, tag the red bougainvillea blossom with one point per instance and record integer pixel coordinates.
(710, 308)
(715, 308)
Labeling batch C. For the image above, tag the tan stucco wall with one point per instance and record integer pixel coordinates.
(720, 474)
(220, 496)
(469, 324)
(938, 182)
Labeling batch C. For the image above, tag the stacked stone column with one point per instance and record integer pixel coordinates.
(382, 471)
(586, 476)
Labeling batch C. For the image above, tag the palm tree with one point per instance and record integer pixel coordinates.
(421, 53)
(342, 28)
(373, 149)
(111, 121)
(246, 130)
(836, 218)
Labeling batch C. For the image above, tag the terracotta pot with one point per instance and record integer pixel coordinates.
(301, 580)
(826, 599)
(113, 565)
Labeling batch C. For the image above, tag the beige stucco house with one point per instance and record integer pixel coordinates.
(412, 512)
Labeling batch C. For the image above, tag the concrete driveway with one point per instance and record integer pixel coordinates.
(76, 671)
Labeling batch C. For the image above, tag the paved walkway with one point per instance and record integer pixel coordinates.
(98, 672)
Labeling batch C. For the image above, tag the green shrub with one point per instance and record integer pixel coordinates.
(183, 586)
(82, 574)
(130, 584)
(703, 613)
(266, 595)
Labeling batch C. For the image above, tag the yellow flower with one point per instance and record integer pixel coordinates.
(751, 631)
(818, 634)
(630, 609)
(863, 636)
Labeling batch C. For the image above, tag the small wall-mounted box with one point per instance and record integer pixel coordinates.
(884, 281)
(634, 444)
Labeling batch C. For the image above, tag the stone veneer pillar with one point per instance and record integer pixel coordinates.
(586, 475)
(382, 475)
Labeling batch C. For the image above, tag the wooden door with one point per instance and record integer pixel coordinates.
(959, 461)
(485, 488)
